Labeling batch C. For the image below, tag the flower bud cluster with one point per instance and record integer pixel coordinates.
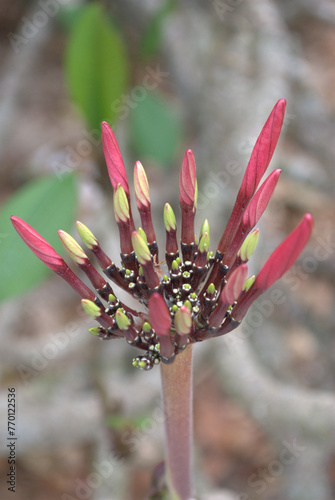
(195, 293)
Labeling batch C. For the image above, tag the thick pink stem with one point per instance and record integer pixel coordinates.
(177, 399)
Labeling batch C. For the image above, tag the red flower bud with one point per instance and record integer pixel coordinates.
(115, 165)
(280, 261)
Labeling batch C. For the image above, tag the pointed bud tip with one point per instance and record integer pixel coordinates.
(37, 244)
(86, 235)
(72, 248)
(141, 186)
(285, 255)
(204, 243)
(188, 181)
(141, 249)
(169, 218)
(249, 245)
(114, 161)
(122, 320)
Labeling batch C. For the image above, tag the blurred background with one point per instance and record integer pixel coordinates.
(168, 76)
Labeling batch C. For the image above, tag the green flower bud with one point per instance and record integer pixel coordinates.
(169, 218)
(91, 308)
(121, 205)
(204, 228)
(142, 233)
(122, 320)
(146, 327)
(74, 250)
(95, 330)
(140, 248)
(86, 235)
(249, 245)
(204, 243)
(248, 282)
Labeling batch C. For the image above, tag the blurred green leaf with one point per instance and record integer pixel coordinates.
(68, 14)
(96, 66)
(155, 130)
(151, 38)
(47, 204)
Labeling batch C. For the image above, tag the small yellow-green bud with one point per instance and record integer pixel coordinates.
(175, 265)
(142, 233)
(211, 289)
(146, 327)
(169, 218)
(74, 250)
(86, 235)
(204, 243)
(121, 205)
(248, 282)
(188, 304)
(95, 330)
(249, 245)
(141, 186)
(141, 249)
(204, 228)
(90, 308)
(122, 320)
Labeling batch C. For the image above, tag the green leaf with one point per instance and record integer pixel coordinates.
(68, 14)
(47, 204)
(151, 39)
(155, 130)
(96, 66)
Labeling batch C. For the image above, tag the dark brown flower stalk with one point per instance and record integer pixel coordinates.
(199, 296)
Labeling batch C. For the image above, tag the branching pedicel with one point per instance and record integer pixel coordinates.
(203, 294)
